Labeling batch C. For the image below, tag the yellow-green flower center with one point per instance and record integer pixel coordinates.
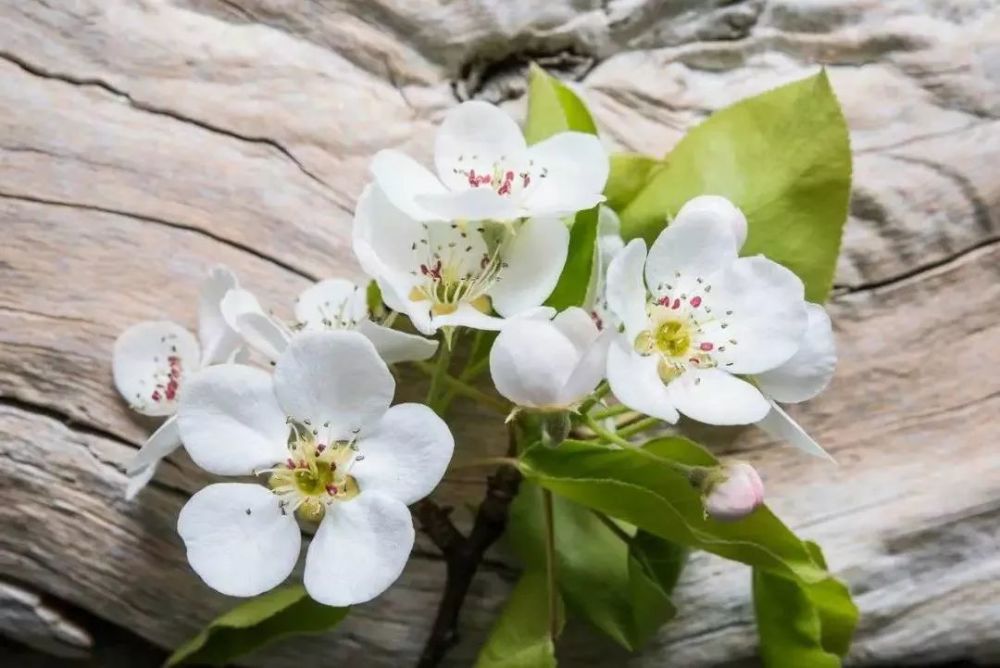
(314, 475)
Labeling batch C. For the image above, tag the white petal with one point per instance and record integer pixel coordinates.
(626, 290)
(478, 204)
(137, 482)
(161, 443)
(333, 377)
(576, 167)
(609, 234)
(331, 304)
(717, 207)
(780, 425)
(713, 396)
(475, 135)
(394, 346)
(762, 305)
(535, 258)
(263, 334)
(635, 382)
(235, 303)
(141, 365)
(589, 371)
(230, 421)
(218, 340)
(466, 316)
(531, 361)
(386, 242)
(691, 247)
(405, 454)
(359, 550)
(403, 180)
(238, 539)
(810, 369)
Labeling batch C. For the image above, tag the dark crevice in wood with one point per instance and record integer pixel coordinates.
(168, 223)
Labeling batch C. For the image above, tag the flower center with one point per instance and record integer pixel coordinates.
(315, 474)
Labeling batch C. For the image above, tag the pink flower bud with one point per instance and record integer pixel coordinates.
(734, 492)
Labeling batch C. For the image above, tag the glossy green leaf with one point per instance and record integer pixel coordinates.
(581, 260)
(520, 637)
(279, 613)
(553, 108)
(639, 487)
(630, 172)
(803, 625)
(661, 559)
(600, 580)
(784, 158)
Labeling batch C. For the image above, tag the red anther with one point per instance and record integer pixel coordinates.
(332, 490)
(677, 304)
(156, 395)
(525, 180)
(508, 181)
(706, 346)
(289, 463)
(696, 301)
(694, 360)
(320, 448)
(597, 320)
(663, 301)
(171, 393)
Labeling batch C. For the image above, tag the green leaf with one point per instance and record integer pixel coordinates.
(803, 625)
(629, 174)
(639, 487)
(784, 158)
(599, 578)
(260, 621)
(553, 108)
(520, 637)
(662, 560)
(574, 282)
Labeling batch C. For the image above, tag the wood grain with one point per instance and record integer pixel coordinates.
(143, 141)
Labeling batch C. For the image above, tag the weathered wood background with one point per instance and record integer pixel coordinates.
(142, 141)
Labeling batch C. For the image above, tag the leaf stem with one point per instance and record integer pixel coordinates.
(550, 564)
(439, 372)
(610, 436)
(611, 411)
(456, 386)
(638, 426)
(595, 396)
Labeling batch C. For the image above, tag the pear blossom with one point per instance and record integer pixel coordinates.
(549, 365)
(331, 451)
(152, 361)
(486, 171)
(444, 275)
(696, 316)
(331, 304)
(733, 493)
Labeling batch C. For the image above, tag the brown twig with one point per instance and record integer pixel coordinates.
(463, 554)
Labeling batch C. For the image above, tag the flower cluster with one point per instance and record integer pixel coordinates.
(687, 327)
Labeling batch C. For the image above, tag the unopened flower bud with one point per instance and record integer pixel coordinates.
(732, 492)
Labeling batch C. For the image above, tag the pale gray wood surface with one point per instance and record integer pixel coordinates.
(142, 141)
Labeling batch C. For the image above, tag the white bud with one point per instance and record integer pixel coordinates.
(733, 492)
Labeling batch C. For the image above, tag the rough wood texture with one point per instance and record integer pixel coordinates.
(142, 141)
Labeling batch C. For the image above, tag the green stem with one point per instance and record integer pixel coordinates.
(550, 564)
(611, 411)
(610, 436)
(615, 529)
(439, 372)
(596, 396)
(456, 386)
(638, 426)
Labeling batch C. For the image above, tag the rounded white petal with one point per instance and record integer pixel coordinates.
(576, 325)
(531, 361)
(589, 371)
(780, 425)
(635, 382)
(333, 377)
(359, 550)
(137, 481)
(405, 454)
(465, 316)
(403, 180)
(230, 421)
(810, 369)
(475, 135)
(386, 242)
(218, 339)
(161, 443)
(576, 168)
(478, 204)
(713, 396)
(609, 234)
(762, 305)
(333, 303)
(235, 303)
(535, 257)
(693, 246)
(144, 357)
(626, 291)
(263, 334)
(394, 346)
(238, 539)
(717, 207)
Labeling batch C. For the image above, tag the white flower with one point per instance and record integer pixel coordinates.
(329, 305)
(152, 361)
(549, 364)
(699, 317)
(799, 379)
(486, 171)
(733, 493)
(334, 453)
(444, 275)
